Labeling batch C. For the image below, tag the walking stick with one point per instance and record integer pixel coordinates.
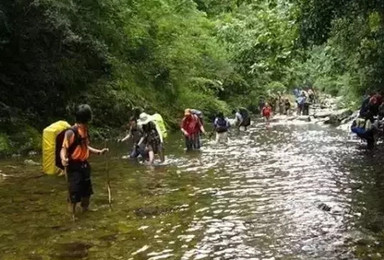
(108, 180)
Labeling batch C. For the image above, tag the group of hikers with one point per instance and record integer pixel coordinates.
(147, 133)
(282, 104)
(304, 98)
(369, 123)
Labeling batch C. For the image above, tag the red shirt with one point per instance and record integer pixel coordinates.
(267, 111)
(191, 124)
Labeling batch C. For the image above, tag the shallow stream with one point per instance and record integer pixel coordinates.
(293, 190)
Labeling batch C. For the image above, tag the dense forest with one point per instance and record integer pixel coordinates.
(166, 55)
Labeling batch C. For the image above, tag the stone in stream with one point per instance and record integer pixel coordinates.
(149, 211)
(323, 114)
(324, 207)
(338, 116)
(304, 118)
(73, 250)
(32, 153)
(31, 162)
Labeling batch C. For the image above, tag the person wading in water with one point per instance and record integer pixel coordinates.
(191, 127)
(74, 157)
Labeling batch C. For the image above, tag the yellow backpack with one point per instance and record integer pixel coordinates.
(159, 121)
(49, 152)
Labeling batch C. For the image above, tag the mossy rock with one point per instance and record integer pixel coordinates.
(5, 144)
(26, 140)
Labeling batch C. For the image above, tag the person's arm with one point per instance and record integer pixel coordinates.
(159, 133)
(126, 137)
(215, 124)
(97, 151)
(182, 126)
(64, 149)
(241, 119)
(141, 141)
(201, 127)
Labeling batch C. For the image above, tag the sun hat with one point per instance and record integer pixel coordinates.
(144, 119)
(187, 112)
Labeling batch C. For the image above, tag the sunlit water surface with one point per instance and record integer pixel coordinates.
(288, 191)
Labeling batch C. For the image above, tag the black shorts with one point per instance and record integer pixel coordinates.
(79, 181)
(246, 122)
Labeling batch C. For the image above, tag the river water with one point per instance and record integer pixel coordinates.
(292, 190)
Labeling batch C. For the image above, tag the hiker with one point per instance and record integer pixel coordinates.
(134, 132)
(261, 104)
(152, 139)
(311, 95)
(287, 105)
(74, 156)
(296, 92)
(221, 127)
(370, 106)
(266, 112)
(365, 130)
(199, 114)
(242, 118)
(191, 127)
(301, 100)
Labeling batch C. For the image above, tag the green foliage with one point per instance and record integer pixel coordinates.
(346, 55)
(5, 145)
(166, 55)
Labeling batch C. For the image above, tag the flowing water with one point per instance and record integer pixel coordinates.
(288, 191)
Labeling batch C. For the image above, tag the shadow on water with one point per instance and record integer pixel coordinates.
(292, 190)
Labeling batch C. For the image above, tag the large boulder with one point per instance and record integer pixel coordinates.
(338, 116)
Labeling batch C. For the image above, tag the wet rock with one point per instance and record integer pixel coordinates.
(323, 114)
(338, 116)
(350, 118)
(32, 153)
(60, 228)
(109, 238)
(31, 162)
(324, 207)
(359, 238)
(149, 211)
(73, 250)
(304, 118)
(356, 186)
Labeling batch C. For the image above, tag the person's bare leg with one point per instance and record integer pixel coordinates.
(72, 210)
(85, 203)
(151, 156)
(161, 155)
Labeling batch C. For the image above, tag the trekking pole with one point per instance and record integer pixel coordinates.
(108, 180)
(73, 205)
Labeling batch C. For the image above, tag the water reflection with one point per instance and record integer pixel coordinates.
(292, 190)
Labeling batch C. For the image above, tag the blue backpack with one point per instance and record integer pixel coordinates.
(221, 125)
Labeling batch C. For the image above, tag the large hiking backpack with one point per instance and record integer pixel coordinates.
(159, 121)
(221, 125)
(53, 138)
(198, 113)
(49, 149)
(245, 114)
(361, 126)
